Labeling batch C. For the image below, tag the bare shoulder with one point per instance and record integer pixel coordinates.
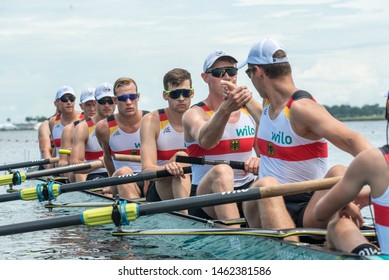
(102, 126)
(193, 114)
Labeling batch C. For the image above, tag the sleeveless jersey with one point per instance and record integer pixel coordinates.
(169, 141)
(56, 132)
(381, 212)
(121, 142)
(93, 150)
(236, 144)
(285, 155)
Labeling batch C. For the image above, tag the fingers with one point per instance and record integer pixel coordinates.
(252, 165)
(175, 169)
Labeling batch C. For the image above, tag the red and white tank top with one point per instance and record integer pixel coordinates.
(124, 143)
(93, 150)
(381, 213)
(169, 141)
(285, 155)
(57, 130)
(236, 144)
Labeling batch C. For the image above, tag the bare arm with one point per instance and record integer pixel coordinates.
(312, 121)
(44, 139)
(102, 134)
(80, 137)
(66, 143)
(366, 168)
(149, 130)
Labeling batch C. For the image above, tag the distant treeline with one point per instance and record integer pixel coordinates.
(346, 112)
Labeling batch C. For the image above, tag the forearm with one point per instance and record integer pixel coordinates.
(212, 131)
(255, 109)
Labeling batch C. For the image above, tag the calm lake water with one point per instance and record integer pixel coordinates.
(86, 243)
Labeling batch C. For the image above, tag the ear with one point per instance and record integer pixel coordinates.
(165, 96)
(204, 76)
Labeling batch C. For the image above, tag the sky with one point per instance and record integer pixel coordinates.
(338, 49)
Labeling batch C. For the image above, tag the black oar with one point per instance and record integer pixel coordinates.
(16, 178)
(28, 163)
(203, 161)
(52, 190)
(132, 211)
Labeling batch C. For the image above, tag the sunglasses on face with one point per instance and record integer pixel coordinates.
(105, 100)
(131, 96)
(175, 94)
(249, 71)
(67, 98)
(220, 72)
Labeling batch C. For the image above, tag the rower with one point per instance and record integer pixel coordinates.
(119, 134)
(86, 147)
(162, 138)
(220, 127)
(64, 101)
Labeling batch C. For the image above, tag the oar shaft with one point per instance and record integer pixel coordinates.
(236, 196)
(121, 157)
(64, 221)
(28, 163)
(203, 161)
(64, 169)
(124, 179)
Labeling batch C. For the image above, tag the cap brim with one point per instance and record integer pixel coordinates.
(242, 64)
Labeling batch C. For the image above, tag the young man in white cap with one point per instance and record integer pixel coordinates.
(162, 138)
(85, 146)
(88, 107)
(119, 134)
(292, 141)
(65, 101)
(220, 127)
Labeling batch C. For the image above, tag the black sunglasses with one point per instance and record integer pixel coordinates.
(220, 72)
(105, 100)
(175, 94)
(67, 98)
(249, 71)
(131, 96)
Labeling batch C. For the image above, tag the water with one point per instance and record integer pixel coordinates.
(88, 243)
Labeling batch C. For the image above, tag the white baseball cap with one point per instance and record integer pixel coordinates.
(213, 56)
(87, 94)
(64, 90)
(104, 90)
(261, 53)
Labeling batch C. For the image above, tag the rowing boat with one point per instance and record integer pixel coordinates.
(175, 235)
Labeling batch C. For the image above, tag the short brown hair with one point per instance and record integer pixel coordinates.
(123, 81)
(176, 77)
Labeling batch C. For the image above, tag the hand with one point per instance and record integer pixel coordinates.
(251, 165)
(235, 96)
(175, 169)
(352, 211)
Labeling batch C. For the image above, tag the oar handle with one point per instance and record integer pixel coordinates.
(64, 151)
(203, 161)
(121, 157)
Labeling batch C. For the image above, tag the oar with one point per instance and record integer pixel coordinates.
(16, 178)
(121, 157)
(203, 161)
(132, 211)
(52, 190)
(281, 233)
(28, 163)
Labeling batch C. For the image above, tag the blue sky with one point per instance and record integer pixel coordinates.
(338, 49)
